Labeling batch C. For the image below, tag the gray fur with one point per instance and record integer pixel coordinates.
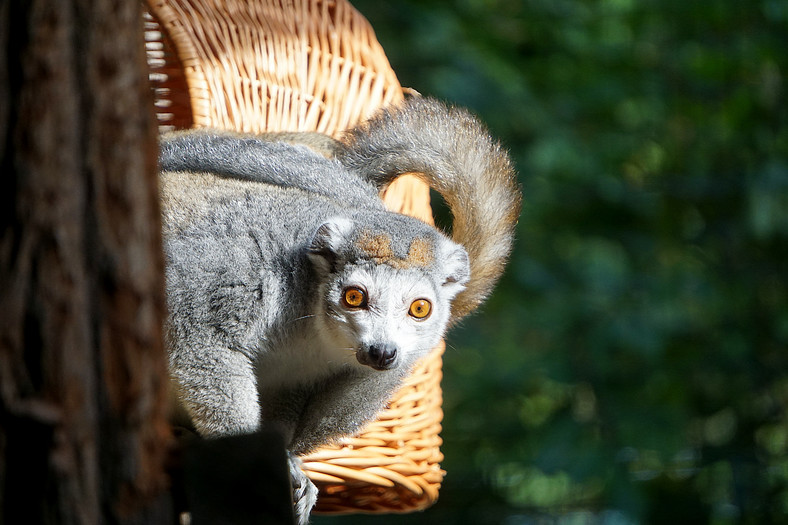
(261, 237)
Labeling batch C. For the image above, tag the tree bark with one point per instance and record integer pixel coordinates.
(83, 431)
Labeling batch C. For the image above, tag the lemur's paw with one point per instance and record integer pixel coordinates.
(304, 491)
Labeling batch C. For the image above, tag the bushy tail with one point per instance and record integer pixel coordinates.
(456, 156)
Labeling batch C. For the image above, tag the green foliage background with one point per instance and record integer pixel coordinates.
(632, 365)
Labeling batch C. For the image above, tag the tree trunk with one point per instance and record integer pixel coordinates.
(83, 432)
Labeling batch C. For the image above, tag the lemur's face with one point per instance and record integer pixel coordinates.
(387, 317)
(385, 293)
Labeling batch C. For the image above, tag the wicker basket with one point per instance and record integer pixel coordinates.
(256, 65)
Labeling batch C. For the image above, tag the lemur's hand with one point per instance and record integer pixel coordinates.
(304, 491)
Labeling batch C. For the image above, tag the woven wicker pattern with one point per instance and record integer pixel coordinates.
(260, 65)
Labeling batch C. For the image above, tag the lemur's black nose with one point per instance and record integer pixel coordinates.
(382, 356)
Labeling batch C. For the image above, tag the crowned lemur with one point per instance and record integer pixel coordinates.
(295, 297)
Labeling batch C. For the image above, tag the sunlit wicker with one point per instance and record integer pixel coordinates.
(259, 65)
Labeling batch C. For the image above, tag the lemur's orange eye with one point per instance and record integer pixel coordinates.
(354, 297)
(420, 309)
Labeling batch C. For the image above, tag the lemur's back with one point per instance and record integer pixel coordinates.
(274, 159)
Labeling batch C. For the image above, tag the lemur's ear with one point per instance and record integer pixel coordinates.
(456, 267)
(326, 242)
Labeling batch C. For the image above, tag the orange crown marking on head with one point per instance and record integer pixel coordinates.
(378, 248)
